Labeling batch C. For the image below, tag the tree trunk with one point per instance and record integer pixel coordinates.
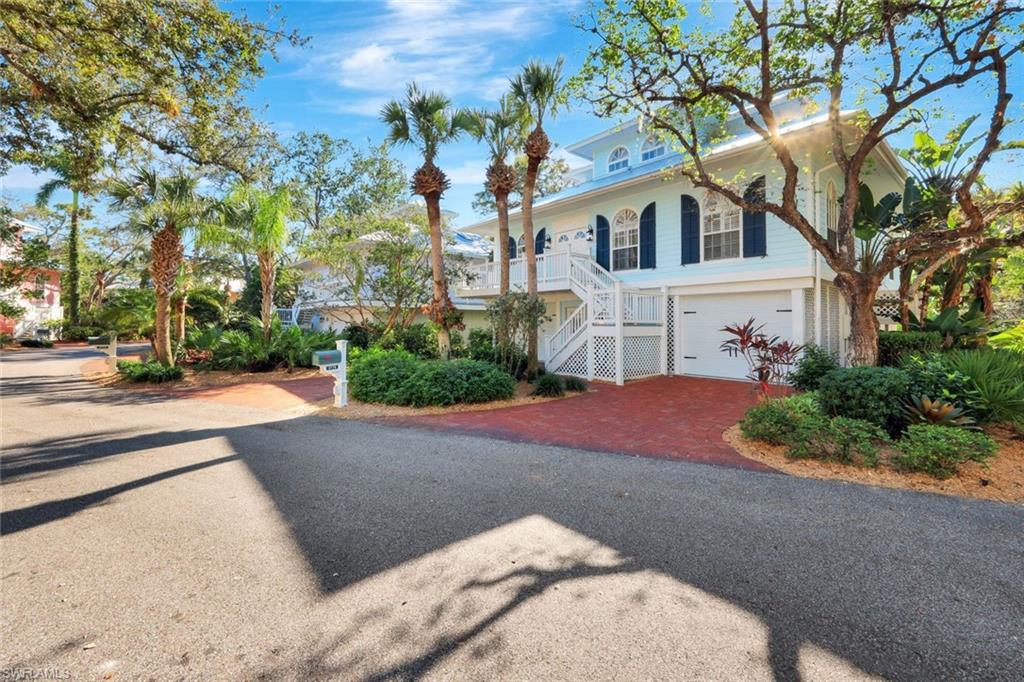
(530, 181)
(860, 299)
(952, 292)
(166, 253)
(983, 291)
(906, 279)
(926, 294)
(73, 299)
(501, 200)
(181, 305)
(268, 275)
(441, 303)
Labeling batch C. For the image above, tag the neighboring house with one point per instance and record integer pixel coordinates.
(38, 294)
(640, 270)
(318, 306)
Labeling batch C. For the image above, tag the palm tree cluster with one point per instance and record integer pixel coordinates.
(428, 120)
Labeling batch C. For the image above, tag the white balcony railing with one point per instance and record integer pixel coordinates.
(552, 270)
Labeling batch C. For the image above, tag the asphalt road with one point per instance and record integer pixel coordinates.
(150, 538)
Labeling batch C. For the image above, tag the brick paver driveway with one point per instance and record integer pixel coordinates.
(665, 417)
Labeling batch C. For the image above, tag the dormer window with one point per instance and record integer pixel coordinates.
(618, 159)
(652, 149)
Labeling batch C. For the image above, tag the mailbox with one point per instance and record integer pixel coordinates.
(323, 358)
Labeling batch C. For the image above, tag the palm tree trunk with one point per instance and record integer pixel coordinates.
(501, 200)
(529, 183)
(73, 299)
(180, 305)
(268, 275)
(165, 259)
(441, 303)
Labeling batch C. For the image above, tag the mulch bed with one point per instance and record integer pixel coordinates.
(1001, 478)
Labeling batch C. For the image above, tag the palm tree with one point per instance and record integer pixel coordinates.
(428, 120)
(69, 176)
(537, 87)
(256, 221)
(504, 130)
(165, 208)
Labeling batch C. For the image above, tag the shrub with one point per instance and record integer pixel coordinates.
(894, 346)
(815, 363)
(874, 394)
(6, 339)
(481, 345)
(438, 382)
(1010, 339)
(399, 378)
(36, 343)
(776, 420)
(939, 450)
(150, 372)
(846, 440)
(420, 339)
(996, 381)
(549, 385)
(376, 376)
(932, 376)
(357, 336)
(249, 350)
(575, 384)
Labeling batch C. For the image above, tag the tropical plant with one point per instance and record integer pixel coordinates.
(428, 120)
(768, 357)
(894, 346)
(514, 317)
(504, 130)
(164, 207)
(256, 221)
(956, 328)
(1010, 339)
(149, 372)
(923, 410)
(996, 380)
(537, 87)
(549, 386)
(932, 376)
(939, 450)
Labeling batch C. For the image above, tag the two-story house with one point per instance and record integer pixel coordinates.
(640, 270)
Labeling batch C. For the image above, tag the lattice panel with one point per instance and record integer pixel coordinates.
(670, 335)
(641, 356)
(809, 321)
(576, 363)
(604, 357)
(888, 307)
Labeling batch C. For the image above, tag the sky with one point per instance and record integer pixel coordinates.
(360, 54)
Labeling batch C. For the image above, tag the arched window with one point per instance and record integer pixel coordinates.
(722, 222)
(651, 149)
(521, 247)
(618, 159)
(625, 240)
(832, 214)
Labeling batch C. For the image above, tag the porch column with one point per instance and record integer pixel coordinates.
(620, 318)
(796, 305)
(664, 330)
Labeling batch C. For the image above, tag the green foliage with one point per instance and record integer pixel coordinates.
(129, 313)
(776, 420)
(923, 410)
(357, 336)
(956, 329)
(5, 338)
(149, 372)
(249, 350)
(894, 346)
(398, 378)
(841, 439)
(36, 343)
(1010, 339)
(207, 306)
(939, 450)
(514, 316)
(420, 339)
(575, 384)
(996, 379)
(815, 363)
(549, 385)
(873, 394)
(481, 344)
(932, 376)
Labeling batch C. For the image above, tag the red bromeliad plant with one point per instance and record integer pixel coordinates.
(768, 357)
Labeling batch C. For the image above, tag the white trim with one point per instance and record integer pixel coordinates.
(628, 159)
(611, 240)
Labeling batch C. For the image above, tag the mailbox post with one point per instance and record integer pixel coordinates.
(335, 363)
(108, 344)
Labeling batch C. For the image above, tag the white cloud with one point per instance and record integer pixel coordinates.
(470, 172)
(22, 177)
(455, 46)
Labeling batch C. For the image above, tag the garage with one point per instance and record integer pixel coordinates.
(702, 317)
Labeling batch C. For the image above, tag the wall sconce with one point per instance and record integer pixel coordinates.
(590, 233)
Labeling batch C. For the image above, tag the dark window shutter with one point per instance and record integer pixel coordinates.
(538, 241)
(647, 237)
(755, 242)
(603, 242)
(689, 229)
(511, 248)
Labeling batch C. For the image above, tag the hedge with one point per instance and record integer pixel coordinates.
(399, 378)
(894, 346)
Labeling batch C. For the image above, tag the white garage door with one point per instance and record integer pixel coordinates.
(701, 318)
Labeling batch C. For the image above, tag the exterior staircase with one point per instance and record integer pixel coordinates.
(616, 333)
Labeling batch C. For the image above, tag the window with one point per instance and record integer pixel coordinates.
(832, 215)
(521, 247)
(618, 159)
(651, 149)
(722, 222)
(625, 240)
